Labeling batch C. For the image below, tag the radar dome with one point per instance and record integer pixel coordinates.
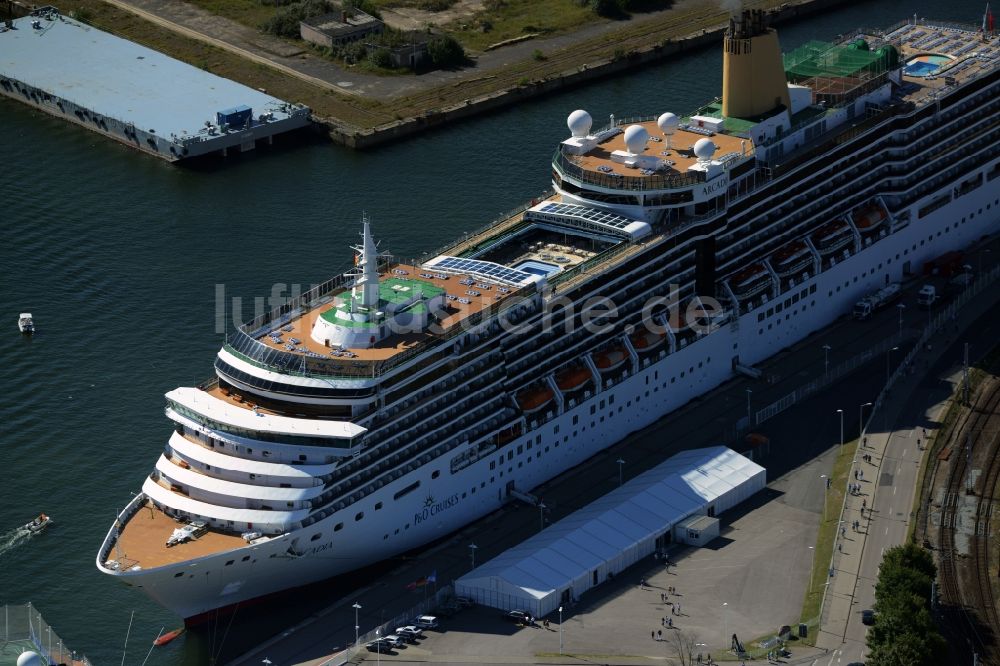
(704, 149)
(29, 659)
(579, 123)
(667, 123)
(636, 138)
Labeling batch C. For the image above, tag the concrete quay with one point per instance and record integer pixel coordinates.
(752, 580)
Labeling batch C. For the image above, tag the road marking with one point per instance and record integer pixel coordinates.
(894, 490)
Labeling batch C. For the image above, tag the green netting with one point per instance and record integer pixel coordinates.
(822, 59)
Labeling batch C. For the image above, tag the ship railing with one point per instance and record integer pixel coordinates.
(25, 628)
(500, 221)
(625, 183)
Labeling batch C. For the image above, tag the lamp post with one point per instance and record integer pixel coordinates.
(378, 652)
(826, 360)
(620, 463)
(900, 307)
(472, 553)
(725, 622)
(841, 412)
(861, 420)
(356, 608)
(560, 632)
(749, 425)
(826, 486)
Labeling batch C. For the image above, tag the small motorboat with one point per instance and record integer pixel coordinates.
(163, 639)
(25, 323)
(38, 524)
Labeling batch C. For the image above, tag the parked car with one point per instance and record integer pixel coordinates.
(519, 617)
(426, 622)
(409, 631)
(464, 602)
(867, 616)
(395, 640)
(380, 646)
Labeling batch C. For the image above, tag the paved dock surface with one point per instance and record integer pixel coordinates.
(751, 581)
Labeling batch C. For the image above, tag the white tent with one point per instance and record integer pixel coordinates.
(603, 538)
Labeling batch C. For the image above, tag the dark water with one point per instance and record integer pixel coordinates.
(119, 256)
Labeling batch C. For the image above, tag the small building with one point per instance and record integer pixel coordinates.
(696, 530)
(601, 540)
(339, 28)
(413, 55)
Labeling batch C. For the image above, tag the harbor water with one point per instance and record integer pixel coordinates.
(130, 267)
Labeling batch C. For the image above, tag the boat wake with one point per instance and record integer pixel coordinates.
(12, 539)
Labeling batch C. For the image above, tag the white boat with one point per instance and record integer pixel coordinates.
(453, 398)
(25, 323)
(38, 524)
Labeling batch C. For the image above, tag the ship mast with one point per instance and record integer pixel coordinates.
(366, 286)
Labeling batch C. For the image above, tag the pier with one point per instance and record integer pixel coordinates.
(133, 94)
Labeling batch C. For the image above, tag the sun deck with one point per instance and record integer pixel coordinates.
(143, 539)
(679, 157)
(295, 336)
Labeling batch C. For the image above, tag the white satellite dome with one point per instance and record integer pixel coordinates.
(636, 138)
(579, 123)
(29, 659)
(704, 149)
(668, 122)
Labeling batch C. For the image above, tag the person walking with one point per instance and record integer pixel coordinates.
(659, 634)
(652, 635)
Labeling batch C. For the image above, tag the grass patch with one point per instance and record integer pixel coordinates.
(251, 13)
(825, 539)
(501, 21)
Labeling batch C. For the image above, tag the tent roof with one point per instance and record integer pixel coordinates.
(582, 541)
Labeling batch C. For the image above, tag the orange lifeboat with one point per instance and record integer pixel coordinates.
(869, 218)
(832, 237)
(751, 281)
(792, 258)
(610, 359)
(646, 341)
(534, 398)
(572, 378)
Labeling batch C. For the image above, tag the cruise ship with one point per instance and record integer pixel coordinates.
(396, 403)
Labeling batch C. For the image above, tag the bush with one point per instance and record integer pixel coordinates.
(446, 52)
(905, 631)
(435, 5)
(382, 58)
(285, 22)
(538, 55)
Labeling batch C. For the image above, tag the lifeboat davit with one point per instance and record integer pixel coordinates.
(646, 341)
(507, 434)
(832, 237)
(751, 281)
(533, 399)
(572, 378)
(610, 359)
(791, 259)
(869, 218)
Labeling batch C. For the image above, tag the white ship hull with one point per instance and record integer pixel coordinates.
(451, 501)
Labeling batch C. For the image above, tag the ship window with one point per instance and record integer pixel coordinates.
(178, 574)
(682, 377)
(253, 476)
(538, 440)
(510, 455)
(520, 450)
(795, 298)
(359, 516)
(546, 449)
(770, 312)
(520, 464)
(408, 489)
(593, 409)
(576, 419)
(473, 490)
(482, 485)
(493, 464)
(245, 558)
(396, 531)
(435, 474)
(787, 302)
(338, 527)
(602, 419)
(302, 457)
(812, 289)
(315, 537)
(378, 505)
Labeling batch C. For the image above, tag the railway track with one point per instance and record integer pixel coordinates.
(965, 587)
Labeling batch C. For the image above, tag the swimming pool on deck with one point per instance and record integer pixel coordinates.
(926, 64)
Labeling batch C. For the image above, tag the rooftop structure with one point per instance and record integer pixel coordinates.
(348, 25)
(134, 94)
(600, 540)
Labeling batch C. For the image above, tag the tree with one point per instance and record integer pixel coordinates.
(682, 646)
(446, 52)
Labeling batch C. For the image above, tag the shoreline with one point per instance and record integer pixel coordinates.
(363, 139)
